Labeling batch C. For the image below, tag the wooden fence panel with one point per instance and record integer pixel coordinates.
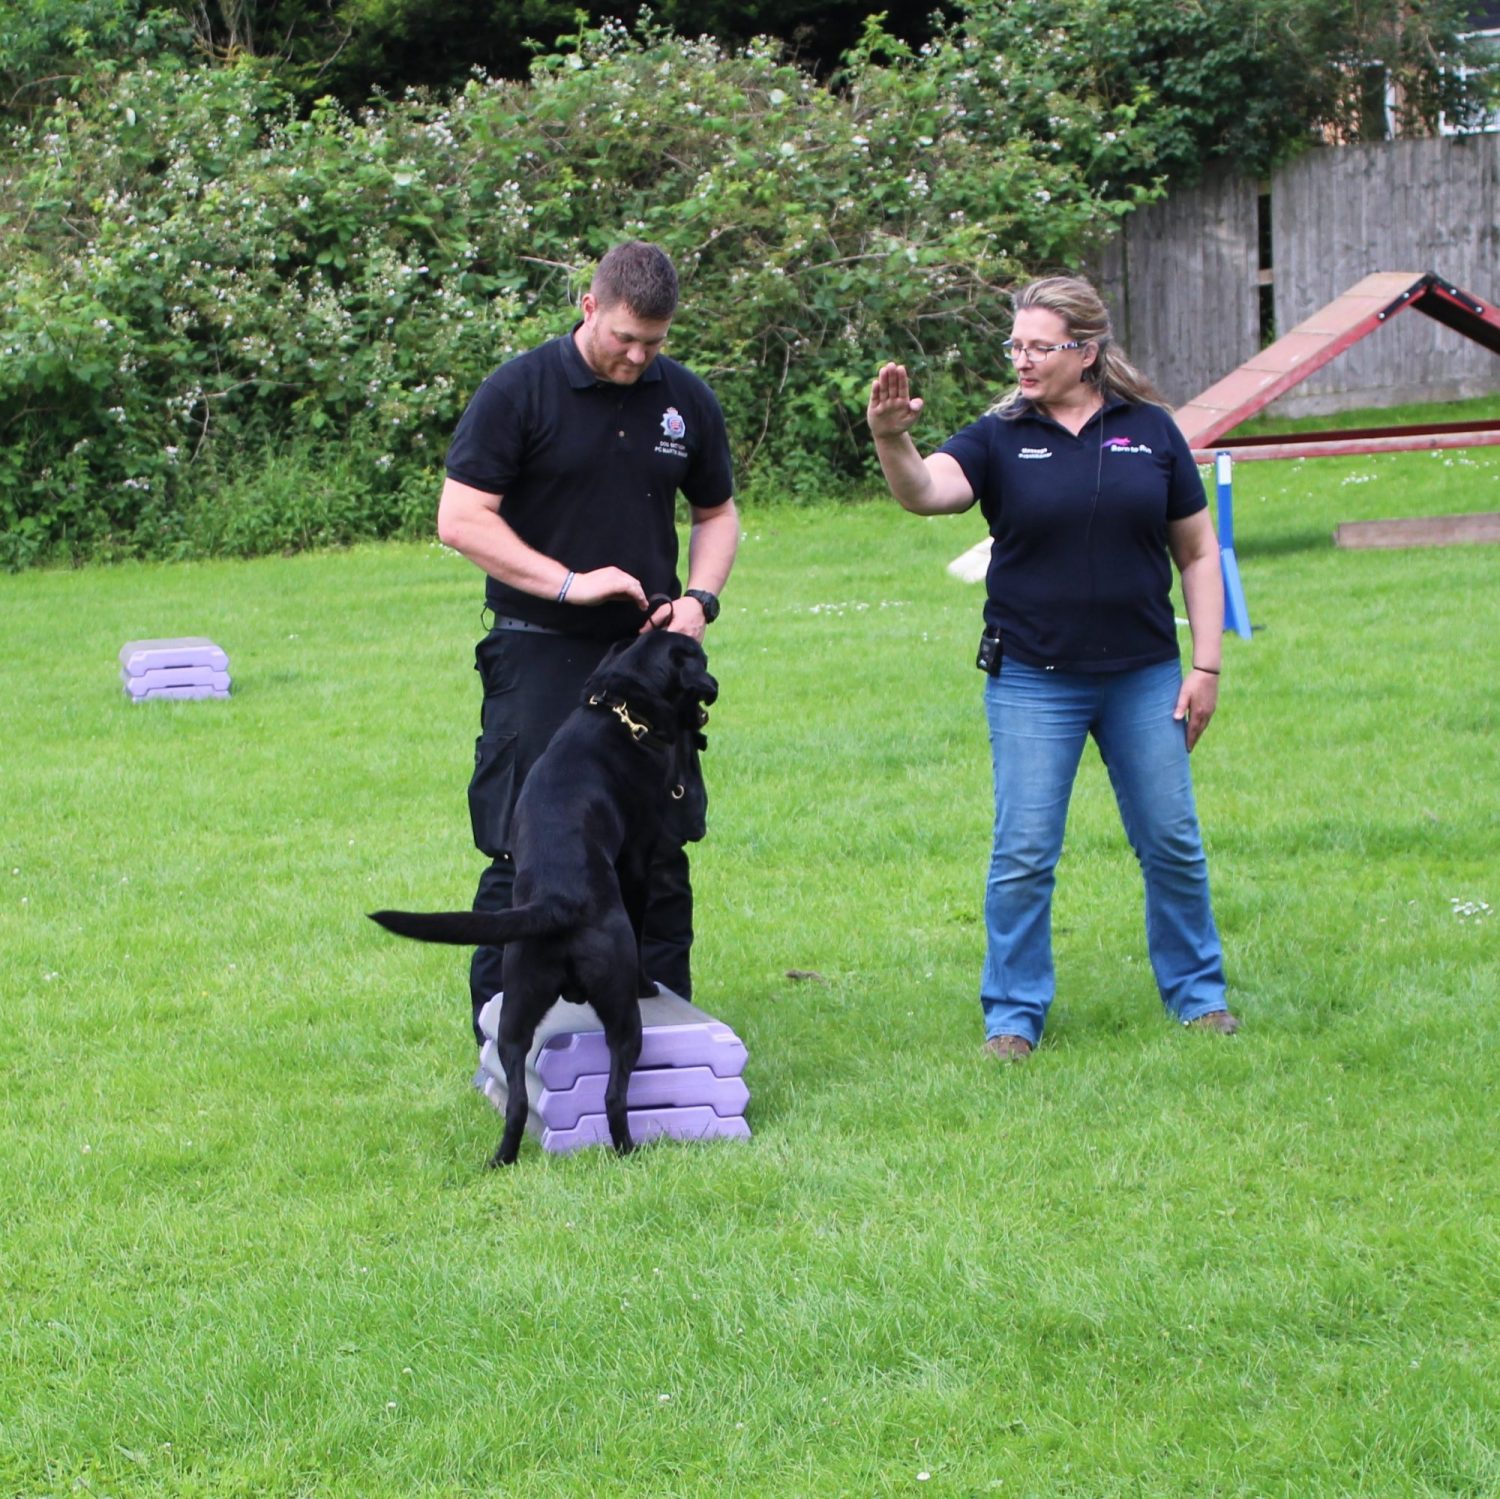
(1419, 205)
(1180, 283)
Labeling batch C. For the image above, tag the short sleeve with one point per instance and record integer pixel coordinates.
(970, 449)
(709, 483)
(1185, 494)
(488, 443)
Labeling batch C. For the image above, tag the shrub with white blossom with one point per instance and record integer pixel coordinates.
(202, 281)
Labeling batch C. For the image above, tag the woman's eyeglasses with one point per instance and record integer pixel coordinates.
(1036, 353)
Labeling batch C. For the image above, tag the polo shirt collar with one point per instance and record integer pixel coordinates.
(1034, 413)
(581, 377)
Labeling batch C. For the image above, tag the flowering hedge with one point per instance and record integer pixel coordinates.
(232, 327)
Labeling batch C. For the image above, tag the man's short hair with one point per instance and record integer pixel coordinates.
(641, 276)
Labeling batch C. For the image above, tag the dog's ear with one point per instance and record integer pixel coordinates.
(605, 677)
(703, 687)
(690, 680)
(701, 681)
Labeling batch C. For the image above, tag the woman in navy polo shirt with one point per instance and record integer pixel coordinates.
(1091, 495)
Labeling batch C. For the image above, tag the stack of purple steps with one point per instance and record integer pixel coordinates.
(191, 666)
(688, 1084)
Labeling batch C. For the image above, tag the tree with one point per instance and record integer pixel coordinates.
(48, 47)
(349, 48)
(1246, 81)
(1242, 82)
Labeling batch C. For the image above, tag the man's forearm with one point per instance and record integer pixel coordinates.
(492, 545)
(712, 544)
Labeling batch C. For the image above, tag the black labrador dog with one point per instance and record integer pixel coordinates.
(586, 823)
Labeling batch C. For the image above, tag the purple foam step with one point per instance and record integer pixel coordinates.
(569, 1043)
(156, 694)
(694, 1122)
(140, 684)
(650, 1088)
(137, 656)
(647, 1124)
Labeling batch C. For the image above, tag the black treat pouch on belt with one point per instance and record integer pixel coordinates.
(988, 659)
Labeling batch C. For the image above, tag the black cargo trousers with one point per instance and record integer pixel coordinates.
(532, 679)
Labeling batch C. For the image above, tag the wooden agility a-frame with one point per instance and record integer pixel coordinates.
(1208, 419)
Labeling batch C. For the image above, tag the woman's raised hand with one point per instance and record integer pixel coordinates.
(893, 410)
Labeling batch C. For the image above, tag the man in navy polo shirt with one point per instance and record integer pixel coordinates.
(562, 482)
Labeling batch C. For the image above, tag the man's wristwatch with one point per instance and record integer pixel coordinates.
(709, 601)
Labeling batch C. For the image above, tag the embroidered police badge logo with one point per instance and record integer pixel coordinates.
(672, 424)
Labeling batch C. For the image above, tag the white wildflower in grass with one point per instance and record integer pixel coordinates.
(1469, 910)
(859, 606)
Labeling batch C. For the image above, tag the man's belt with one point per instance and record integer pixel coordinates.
(505, 622)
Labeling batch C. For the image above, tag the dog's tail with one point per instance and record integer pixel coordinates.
(480, 928)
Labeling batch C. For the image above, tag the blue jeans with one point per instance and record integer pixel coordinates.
(1039, 721)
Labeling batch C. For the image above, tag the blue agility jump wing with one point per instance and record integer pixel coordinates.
(1236, 613)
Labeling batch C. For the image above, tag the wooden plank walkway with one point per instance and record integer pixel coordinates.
(1421, 531)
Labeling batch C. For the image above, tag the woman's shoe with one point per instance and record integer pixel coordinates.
(1216, 1020)
(1008, 1048)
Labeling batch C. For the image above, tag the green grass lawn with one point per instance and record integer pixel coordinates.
(246, 1243)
